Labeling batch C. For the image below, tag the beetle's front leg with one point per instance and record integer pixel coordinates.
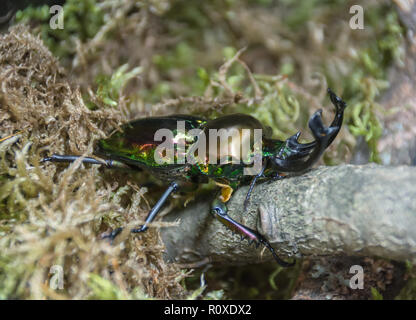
(253, 182)
(109, 163)
(219, 210)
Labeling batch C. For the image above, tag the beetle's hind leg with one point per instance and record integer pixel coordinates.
(219, 210)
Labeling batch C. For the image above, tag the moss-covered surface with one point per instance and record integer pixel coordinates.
(61, 90)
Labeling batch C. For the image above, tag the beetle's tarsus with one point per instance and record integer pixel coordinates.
(142, 228)
(113, 234)
(108, 163)
(278, 176)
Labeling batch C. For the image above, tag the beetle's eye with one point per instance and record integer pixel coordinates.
(219, 210)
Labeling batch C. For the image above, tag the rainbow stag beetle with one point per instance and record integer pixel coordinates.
(136, 147)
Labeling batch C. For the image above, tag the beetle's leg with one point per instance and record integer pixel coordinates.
(155, 210)
(68, 159)
(253, 182)
(151, 215)
(219, 209)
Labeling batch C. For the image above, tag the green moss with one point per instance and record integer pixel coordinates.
(376, 295)
(103, 289)
(367, 78)
(12, 272)
(110, 87)
(82, 20)
(408, 292)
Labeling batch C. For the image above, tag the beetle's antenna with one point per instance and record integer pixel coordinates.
(155, 210)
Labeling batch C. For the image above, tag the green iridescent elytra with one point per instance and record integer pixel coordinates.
(136, 146)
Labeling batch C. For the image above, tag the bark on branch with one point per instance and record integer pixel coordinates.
(344, 210)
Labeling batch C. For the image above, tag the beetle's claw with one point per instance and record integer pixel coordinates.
(112, 235)
(47, 159)
(140, 229)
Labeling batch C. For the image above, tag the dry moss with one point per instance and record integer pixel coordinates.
(52, 215)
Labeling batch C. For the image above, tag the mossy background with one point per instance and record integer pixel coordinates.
(61, 90)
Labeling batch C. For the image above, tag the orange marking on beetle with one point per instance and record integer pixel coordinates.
(10, 136)
(226, 191)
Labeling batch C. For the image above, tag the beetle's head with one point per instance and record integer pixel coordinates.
(292, 156)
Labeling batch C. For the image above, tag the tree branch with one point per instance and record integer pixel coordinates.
(349, 210)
